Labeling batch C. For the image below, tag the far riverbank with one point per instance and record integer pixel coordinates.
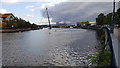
(17, 30)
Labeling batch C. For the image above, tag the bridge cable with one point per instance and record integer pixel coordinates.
(43, 16)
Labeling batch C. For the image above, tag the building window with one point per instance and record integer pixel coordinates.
(7, 18)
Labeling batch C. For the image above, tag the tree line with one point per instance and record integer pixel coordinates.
(18, 23)
(103, 19)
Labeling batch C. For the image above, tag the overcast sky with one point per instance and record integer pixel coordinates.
(59, 10)
(78, 11)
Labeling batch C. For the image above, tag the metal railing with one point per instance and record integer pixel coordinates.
(109, 42)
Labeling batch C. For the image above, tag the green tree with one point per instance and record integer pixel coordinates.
(19, 23)
(118, 14)
(100, 20)
(108, 19)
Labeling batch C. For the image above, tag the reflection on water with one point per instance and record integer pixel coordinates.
(59, 47)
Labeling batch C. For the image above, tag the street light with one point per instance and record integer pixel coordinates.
(113, 18)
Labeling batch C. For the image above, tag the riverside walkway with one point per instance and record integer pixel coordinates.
(116, 44)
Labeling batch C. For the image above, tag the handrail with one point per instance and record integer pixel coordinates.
(109, 42)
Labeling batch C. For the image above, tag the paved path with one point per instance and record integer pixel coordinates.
(116, 45)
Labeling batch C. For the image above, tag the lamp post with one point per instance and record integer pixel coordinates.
(113, 18)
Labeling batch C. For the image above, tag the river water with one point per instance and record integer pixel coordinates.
(56, 47)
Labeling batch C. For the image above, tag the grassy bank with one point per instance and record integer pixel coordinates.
(103, 58)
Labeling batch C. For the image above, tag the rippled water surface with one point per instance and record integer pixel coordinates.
(56, 47)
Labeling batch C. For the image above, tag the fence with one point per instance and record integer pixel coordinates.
(109, 42)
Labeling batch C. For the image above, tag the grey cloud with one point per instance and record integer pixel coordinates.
(78, 11)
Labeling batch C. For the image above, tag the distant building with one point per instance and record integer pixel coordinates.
(92, 23)
(61, 24)
(6, 17)
(83, 24)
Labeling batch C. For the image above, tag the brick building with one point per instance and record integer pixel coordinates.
(6, 17)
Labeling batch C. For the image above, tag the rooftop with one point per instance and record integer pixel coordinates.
(6, 14)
